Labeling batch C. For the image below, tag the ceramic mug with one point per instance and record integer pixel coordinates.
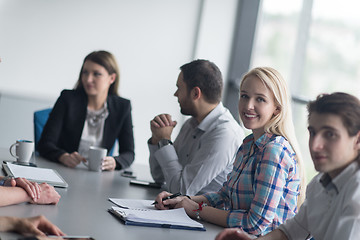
(23, 151)
(95, 158)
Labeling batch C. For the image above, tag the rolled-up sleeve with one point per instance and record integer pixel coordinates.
(219, 199)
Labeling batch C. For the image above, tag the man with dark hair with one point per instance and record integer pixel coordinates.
(203, 152)
(205, 75)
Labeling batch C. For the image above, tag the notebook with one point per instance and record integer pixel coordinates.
(142, 213)
(35, 174)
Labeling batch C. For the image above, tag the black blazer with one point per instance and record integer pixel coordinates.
(63, 130)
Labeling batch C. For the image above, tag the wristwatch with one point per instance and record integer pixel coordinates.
(164, 142)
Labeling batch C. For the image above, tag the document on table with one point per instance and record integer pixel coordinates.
(133, 203)
(142, 213)
(36, 174)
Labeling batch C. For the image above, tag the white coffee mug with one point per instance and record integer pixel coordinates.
(95, 158)
(23, 151)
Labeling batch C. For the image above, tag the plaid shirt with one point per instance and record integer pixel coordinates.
(261, 191)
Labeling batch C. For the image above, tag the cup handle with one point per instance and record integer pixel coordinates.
(86, 164)
(10, 149)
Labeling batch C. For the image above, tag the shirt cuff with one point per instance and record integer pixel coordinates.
(153, 147)
(213, 198)
(166, 155)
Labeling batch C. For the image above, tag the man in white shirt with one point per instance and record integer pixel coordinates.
(202, 155)
(331, 210)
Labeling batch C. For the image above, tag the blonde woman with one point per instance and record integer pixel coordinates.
(331, 210)
(263, 189)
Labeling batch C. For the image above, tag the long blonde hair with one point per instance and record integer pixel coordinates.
(282, 123)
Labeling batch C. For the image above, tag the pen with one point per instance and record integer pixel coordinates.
(168, 197)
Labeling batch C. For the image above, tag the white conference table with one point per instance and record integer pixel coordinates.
(82, 209)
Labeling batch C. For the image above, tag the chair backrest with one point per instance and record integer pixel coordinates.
(40, 119)
(112, 150)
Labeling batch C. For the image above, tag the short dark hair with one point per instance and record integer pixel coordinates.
(205, 75)
(344, 105)
(108, 61)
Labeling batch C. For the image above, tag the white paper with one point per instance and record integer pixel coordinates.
(133, 203)
(34, 173)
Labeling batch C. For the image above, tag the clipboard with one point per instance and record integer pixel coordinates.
(173, 219)
(35, 174)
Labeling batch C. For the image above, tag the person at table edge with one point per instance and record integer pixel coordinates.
(90, 115)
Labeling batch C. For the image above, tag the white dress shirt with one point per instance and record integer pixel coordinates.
(331, 210)
(201, 156)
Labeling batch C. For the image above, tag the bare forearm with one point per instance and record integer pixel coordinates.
(13, 195)
(215, 216)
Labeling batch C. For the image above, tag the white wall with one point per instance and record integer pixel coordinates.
(43, 43)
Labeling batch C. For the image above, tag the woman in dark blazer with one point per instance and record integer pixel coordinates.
(90, 115)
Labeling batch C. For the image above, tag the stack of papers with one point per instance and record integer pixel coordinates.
(143, 213)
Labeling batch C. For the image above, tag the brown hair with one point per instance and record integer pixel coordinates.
(205, 75)
(108, 61)
(344, 105)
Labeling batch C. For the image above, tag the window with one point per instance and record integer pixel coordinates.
(315, 46)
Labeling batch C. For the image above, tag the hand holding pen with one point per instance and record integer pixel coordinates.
(168, 197)
(171, 200)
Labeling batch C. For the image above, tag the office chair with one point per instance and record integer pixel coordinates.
(40, 119)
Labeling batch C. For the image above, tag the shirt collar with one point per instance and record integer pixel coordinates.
(340, 180)
(260, 143)
(209, 120)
